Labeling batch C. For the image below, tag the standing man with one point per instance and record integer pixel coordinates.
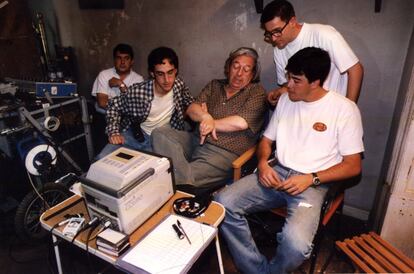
(287, 36)
(111, 82)
(163, 99)
(318, 136)
(230, 113)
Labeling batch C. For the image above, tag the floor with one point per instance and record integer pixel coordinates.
(18, 257)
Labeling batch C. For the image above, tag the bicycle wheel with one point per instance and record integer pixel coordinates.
(26, 221)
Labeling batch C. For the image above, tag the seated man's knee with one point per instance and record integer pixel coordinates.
(226, 199)
(159, 132)
(159, 135)
(296, 245)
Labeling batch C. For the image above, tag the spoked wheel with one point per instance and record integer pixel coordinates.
(28, 213)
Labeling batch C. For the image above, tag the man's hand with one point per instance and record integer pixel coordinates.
(207, 126)
(296, 184)
(274, 95)
(268, 177)
(116, 139)
(115, 82)
(204, 107)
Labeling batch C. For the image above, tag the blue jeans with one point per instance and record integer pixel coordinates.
(248, 196)
(130, 142)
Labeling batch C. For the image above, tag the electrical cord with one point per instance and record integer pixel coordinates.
(85, 227)
(59, 224)
(67, 220)
(35, 190)
(89, 238)
(92, 228)
(105, 226)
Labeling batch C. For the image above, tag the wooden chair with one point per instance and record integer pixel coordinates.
(372, 254)
(333, 203)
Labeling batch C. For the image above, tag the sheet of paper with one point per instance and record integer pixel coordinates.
(161, 251)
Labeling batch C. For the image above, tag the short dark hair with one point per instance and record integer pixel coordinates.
(247, 52)
(312, 62)
(124, 49)
(277, 8)
(157, 55)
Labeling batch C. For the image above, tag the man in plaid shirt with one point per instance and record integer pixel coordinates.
(161, 100)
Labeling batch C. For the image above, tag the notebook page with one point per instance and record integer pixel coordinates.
(161, 251)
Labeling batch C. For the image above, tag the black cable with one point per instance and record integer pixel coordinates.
(88, 238)
(92, 228)
(85, 227)
(53, 227)
(87, 246)
(63, 222)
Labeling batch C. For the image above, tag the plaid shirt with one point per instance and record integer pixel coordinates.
(134, 106)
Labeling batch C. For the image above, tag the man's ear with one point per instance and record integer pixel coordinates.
(315, 84)
(152, 74)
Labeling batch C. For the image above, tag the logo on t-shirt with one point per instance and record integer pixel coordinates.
(318, 126)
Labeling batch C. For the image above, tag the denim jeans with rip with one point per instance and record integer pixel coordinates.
(248, 196)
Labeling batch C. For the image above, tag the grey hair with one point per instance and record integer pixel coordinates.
(248, 52)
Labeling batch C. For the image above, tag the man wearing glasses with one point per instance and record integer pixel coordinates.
(287, 36)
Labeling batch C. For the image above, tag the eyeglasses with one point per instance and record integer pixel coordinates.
(268, 35)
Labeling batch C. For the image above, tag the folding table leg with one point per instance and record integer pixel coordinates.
(220, 260)
(57, 254)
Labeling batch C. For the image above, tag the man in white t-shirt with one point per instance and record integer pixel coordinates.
(111, 82)
(287, 36)
(318, 135)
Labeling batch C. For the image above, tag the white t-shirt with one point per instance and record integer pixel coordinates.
(101, 84)
(314, 136)
(160, 113)
(325, 37)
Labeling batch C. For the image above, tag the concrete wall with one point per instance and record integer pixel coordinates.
(204, 31)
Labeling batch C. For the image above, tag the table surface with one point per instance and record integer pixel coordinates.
(213, 216)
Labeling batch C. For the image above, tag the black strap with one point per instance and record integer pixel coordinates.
(192, 207)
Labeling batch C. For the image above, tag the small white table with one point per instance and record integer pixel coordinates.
(214, 215)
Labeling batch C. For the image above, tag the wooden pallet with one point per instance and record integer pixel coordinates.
(371, 254)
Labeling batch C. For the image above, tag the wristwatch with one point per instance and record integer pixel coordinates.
(122, 86)
(315, 179)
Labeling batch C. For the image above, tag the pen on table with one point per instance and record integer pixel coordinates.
(182, 229)
(178, 231)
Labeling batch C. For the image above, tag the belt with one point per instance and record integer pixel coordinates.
(274, 162)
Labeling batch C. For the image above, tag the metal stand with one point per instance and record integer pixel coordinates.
(26, 115)
(57, 254)
(219, 258)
